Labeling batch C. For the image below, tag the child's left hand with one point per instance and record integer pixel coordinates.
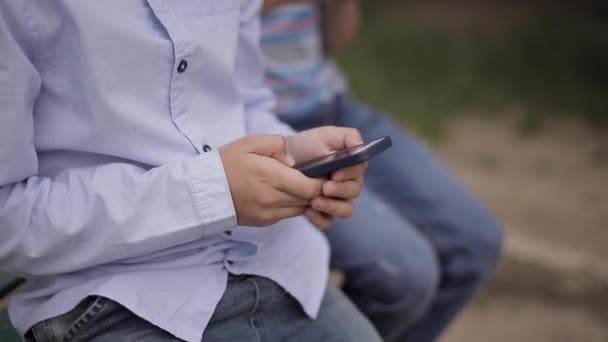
(344, 185)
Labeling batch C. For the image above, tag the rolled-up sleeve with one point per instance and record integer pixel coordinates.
(89, 216)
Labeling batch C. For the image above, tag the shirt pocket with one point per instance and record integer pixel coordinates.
(201, 8)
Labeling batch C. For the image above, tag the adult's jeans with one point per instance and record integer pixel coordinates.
(411, 282)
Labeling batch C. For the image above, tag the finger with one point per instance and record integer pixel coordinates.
(295, 183)
(343, 190)
(351, 172)
(352, 137)
(269, 145)
(318, 219)
(274, 198)
(290, 200)
(335, 207)
(289, 212)
(339, 138)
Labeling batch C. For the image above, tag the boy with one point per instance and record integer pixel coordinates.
(130, 197)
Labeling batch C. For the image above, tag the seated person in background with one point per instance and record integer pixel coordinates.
(132, 195)
(419, 245)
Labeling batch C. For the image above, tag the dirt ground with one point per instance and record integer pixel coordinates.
(553, 186)
(508, 319)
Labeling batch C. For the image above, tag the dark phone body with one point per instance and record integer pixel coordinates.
(325, 165)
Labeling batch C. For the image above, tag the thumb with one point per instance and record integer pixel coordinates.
(352, 137)
(273, 146)
(338, 138)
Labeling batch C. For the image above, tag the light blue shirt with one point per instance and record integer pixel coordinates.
(106, 187)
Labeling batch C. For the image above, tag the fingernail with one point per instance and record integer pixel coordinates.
(317, 204)
(290, 160)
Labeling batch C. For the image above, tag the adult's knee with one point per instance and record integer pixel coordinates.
(480, 239)
(405, 282)
(490, 245)
(412, 285)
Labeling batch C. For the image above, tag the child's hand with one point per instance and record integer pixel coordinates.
(344, 185)
(265, 188)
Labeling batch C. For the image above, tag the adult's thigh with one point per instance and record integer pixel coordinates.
(390, 266)
(409, 177)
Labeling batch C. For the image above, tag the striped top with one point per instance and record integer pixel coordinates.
(300, 75)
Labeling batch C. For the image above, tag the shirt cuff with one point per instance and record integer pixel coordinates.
(211, 193)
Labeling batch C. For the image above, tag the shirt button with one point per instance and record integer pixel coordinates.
(206, 148)
(182, 66)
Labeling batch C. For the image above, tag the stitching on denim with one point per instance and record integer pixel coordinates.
(254, 308)
(90, 313)
(257, 296)
(255, 329)
(48, 330)
(34, 334)
(278, 292)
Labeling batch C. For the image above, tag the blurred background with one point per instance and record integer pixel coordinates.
(513, 95)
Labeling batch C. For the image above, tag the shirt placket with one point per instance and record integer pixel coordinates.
(183, 51)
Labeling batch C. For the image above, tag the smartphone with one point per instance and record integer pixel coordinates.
(325, 165)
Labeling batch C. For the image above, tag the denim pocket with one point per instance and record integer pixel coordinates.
(89, 314)
(67, 326)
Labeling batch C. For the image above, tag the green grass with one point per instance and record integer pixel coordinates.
(7, 333)
(422, 74)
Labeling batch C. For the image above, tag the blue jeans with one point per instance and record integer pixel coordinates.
(252, 309)
(419, 245)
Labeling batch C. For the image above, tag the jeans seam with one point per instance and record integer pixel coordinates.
(257, 296)
(254, 308)
(48, 331)
(84, 319)
(35, 335)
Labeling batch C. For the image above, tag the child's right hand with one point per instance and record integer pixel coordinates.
(265, 188)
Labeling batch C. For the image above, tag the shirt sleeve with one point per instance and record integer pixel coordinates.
(89, 216)
(250, 72)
